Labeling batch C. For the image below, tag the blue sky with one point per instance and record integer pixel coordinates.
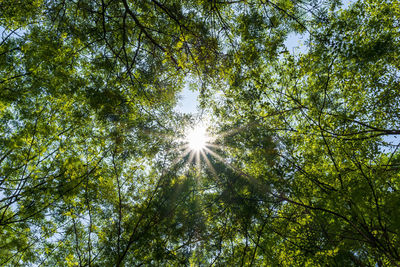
(188, 102)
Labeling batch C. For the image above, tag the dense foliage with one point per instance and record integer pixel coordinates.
(304, 165)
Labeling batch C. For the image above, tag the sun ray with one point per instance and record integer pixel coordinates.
(237, 170)
(198, 143)
(236, 130)
(181, 156)
(215, 155)
(213, 171)
(191, 156)
(198, 163)
(214, 146)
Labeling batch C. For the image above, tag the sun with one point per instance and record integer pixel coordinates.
(197, 138)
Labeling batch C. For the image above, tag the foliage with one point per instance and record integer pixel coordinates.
(303, 169)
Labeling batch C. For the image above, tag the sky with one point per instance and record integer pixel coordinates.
(188, 102)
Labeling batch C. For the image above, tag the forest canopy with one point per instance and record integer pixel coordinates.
(296, 162)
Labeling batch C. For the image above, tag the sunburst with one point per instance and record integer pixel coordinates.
(199, 144)
(197, 138)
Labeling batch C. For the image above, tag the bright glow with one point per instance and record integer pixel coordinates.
(197, 138)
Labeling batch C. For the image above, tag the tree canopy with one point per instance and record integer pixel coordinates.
(302, 165)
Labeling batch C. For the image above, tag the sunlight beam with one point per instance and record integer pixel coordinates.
(181, 156)
(191, 156)
(213, 171)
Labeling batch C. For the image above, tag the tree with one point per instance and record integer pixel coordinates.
(330, 116)
(91, 166)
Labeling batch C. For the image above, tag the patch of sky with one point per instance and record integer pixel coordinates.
(187, 100)
(295, 43)
(391, 144)
(14, 33)
(347, 3)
